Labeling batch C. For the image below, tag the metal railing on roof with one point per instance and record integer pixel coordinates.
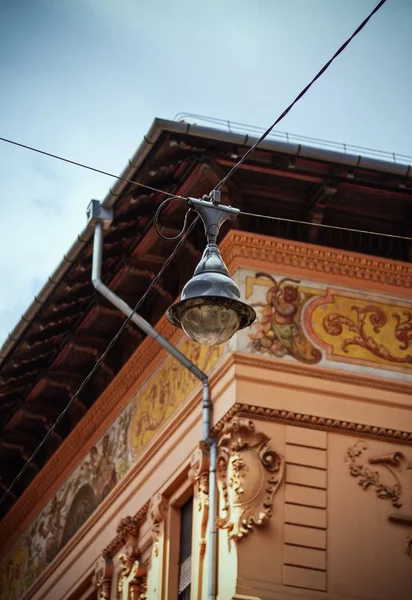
(235, 127)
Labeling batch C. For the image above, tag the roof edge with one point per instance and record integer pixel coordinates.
(158, 126)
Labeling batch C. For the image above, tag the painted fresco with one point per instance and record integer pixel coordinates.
(106, 463)
(313, 323)
(368, 331)
(279, 331)
(169, 389)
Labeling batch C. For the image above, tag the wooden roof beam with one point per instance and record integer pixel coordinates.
(292, 174)
(4, 487)
(316, 202)
(23, 443)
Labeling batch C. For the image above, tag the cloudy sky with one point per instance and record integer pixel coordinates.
(85, 79)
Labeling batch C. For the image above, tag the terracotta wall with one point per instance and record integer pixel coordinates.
(319, 389)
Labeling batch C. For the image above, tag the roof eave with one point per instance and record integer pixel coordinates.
(157, 128)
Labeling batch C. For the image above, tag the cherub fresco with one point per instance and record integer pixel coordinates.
(278, 330)
(13, 578)
(89, 468)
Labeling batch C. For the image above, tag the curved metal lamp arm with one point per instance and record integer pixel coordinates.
(102, 218)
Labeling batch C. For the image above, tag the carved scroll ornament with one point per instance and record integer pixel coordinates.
(249, 472)
(199, 475)
(132, 579)
(156, 514)
(102, 580)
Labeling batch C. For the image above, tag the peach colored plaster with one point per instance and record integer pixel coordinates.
(311, 541)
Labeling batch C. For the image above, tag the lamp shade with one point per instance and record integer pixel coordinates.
(210, 310)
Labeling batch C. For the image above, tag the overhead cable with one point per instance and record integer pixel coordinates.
(178, 197)
(299, 96)
(312, 224)
(78, 164)
(182, 240)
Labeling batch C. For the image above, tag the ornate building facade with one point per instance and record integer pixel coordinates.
(311, 405)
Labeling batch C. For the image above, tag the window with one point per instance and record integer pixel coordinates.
(185, 550)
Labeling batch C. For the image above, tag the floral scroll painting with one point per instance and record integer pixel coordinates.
(317, 324)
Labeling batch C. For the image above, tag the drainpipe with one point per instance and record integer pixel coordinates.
(102, 218)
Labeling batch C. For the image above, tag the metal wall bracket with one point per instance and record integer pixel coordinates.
(96, 213)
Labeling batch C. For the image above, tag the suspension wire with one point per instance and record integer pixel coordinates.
(235, 167)
(98, 362)
(299, 96)
(285, 220)
(183, 234)
(78, 164)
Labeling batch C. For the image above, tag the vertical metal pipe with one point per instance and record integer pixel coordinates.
(97, 257)
(212, 443)
(206, 413)
(212, 571)
(142, 324)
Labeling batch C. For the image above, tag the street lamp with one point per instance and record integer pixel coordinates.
(210, 310)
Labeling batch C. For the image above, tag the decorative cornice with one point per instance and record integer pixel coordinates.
(127, 526)
(241, 245)
(274, 364)
(313, 422)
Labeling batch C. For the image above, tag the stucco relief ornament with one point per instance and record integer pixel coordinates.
(199, 476)
(408, 545)
(369, 478)
(129, 531)
(395, 463)
(249, 472)
(102, 580)
(132, 579)
(156, 514)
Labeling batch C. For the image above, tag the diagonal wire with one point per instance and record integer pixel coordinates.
(98, 362)
(78, 164)
(182, 240)
(299, 96)
(285, 220)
